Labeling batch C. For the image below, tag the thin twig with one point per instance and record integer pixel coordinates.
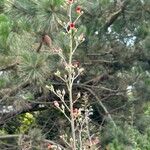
(102, 105)
(18, 135)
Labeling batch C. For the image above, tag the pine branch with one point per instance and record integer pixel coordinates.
(97, 79)
(39, 47)
(9, 67)
(23, 10)
(34, 105)
(5, 137)
(30, 107)
(114, 16)
(13, 91)
(103, 106)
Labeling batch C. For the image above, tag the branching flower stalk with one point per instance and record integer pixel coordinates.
(72, 74)
(70, 82)
(80, 137)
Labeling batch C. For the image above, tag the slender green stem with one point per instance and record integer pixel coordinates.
(65, 115)
(80, 139)
(70, 17)
(70, 84)
(70, 93)
(88, 130)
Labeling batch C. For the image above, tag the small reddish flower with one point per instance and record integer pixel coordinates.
(56, 104)
(75, 64)
(70, 1)
(76, 112)
(49, 146)
(78, 9)
(72, 26)
(95, 141)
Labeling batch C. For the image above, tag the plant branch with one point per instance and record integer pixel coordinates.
(28, 108)
(5, 137)
(9, 67)
(70, 84)
(114, 16)
(14, 91)
(102, 105)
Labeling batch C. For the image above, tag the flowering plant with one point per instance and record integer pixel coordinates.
(77, 117)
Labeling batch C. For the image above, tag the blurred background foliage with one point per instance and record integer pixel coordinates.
(115, 54)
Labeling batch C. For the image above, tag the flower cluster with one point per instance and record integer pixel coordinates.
(78, 11)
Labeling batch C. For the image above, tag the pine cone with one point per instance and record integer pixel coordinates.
(47, 40)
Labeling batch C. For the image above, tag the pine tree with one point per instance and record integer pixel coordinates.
(115, 56)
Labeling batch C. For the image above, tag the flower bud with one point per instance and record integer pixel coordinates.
(78, 9)
(75, 64)
(63, 92)
(78, 95)
(80, 70)
(56, 104)
(57, 73)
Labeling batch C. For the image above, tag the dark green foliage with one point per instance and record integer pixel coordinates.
(115, 55)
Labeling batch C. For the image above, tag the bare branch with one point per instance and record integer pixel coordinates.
(14, 90)
(97, 79)
(102, 105)
(28, 108)
(114, 16)
(9, 67)
(4, 137)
